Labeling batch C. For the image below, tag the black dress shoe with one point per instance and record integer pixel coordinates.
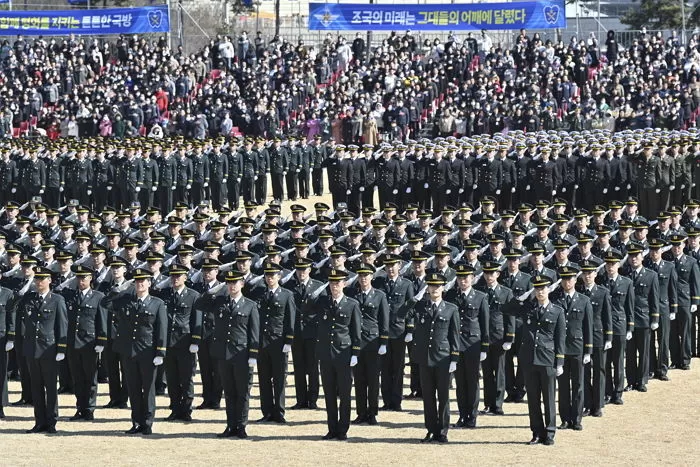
(299, 405)
(51, 430)
(77, 416)
(342, 437)
(280, 419)
(186, 417)
(496, 412)
(565, 425)
(228, 432)
(240, 433)
(460, 423)
(2, 414)
(509, 399)
(203, 406)
(577, 427)
(19, 403)
(597, 414)
(359, 419)
(586, 412)
(37, 429)
(628, 388)
(428, 438)
(147, 430)
(386, 407)
(328, 436)
(265, 418)
(313, 405)
(685, 367)
(62, 390)
(548, 442)
(442, 439)
(89, 416)
(534, 440)
(662, 377)
(371, 420)
(133, 430)
(110, 405)
(616, 401)
(485, 411)
(171, 417)
(397, 408)
(470, 423)
(641, 388)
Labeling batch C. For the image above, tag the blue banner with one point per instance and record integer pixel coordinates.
(97, 21)
(542, 14)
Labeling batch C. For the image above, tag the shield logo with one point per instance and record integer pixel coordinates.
(551, 14)
(154, 18)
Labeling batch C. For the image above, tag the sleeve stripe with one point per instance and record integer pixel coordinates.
(253, 350)
(160, 348)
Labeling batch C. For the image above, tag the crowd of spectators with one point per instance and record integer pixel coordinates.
(344, 90)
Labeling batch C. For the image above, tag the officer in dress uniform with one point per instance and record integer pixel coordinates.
(183, 179)
(277, 317)
(594, 372)
(235, 349)
(142, 333)
(339, 175)
(200, 176)
(44, 346)
(306, 376)
(7, 341)
(218, 171)
(338, 347)
(234, 176)
(87, 337)
(688, 298)
(439, 173)
(542, 354)
(375, 337)
(184, 336)
(263, 167)
(151, 174)
(318, 157)
(279, 165)
(437, 329)
(474, 342)
(578, 346)
(129, 180)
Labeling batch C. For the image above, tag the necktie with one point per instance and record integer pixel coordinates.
(270, 294)
(140, 303)
(491, 293)
(611, 284)
(303, 290)
(568, 301)
(391, 286)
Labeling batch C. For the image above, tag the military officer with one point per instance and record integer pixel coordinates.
(375, 337)
(277, 317)
(473, 309)
(338, 347)
(218, 171)
(142, 333)
(306, 376)
(79, 178)
(594, 373)
(184, 336)
(44, 346)
(235, 349)
(7, 341)
(578, 346)
(542, 354)
(318, 156)
(437, 329)
(688, 298)
(87, 337)
(279, 165)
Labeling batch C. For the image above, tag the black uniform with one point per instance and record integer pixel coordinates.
(235, 339)
(515, 376)
(183, 180)
(234, 178)
(339, 331)
(541, 353)
(594, 373)
(150, 180)
(277, 315)
(55, 180)
(339, 178)
(304, 168)
(208, 365)
(200, 178)
(388, 179)
(292, 174)
(167, 180)
(7, 334)
(218, 173)
(103, 178)
(142, 333)
(45, 331)
(437, 328)
(263, 166)
(116, 372)
(659, 353)
(682, 341)
(646, 312)
(318, 156)
(279, 164)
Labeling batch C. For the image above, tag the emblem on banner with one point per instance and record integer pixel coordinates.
(154, 18)
(551, 13)
(326, 18)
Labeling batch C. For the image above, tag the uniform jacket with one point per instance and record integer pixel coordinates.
(236, 328)
(400, 300)
(184, 317)
(579, 322)
(437, 333)
(473, 317)
(87, 320)
(45, 325)
(307, 312)
(277, 316)
(622, 300)
(142, 331)
(544, 335)
(602, 314)
(375, 315)
(339, 329)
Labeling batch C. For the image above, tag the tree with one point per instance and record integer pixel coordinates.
(660, 14)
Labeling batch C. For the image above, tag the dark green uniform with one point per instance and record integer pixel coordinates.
(594, 373)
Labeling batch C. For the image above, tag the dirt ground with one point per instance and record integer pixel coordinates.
(657, 427)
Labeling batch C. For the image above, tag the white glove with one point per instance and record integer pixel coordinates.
(173, 188)
(654, 326)
(408, 338)
(617, 188)
(353, 360)
(507, 346)
(498, 192)
(629, 335)
(672, 187)
(9, 346)
(298, 170)
(252, 362)
(560, 371)
(394, 192)
(109, 188)
(448, 191)
(60, 190)
(194, 348)
(605, 191)
(99, 348)
(287, 348)
(682, 187)
(408, 190)
(474, 186)
(461, 190)
(284, 173)
(154, 188)
(158, 361)
(224, 181)
(482, 356)
(362, 188)
(41, 192)
(190, 186)
(563, 189)
(14, 190)
(255, 178)
(629, 186)
(672, 316)
(586, 359)
(206, 184)
(239, 180)
(512, 190)
(658, 190)
(60, 357)
(425, 185)
(554, 192)
(348, 192)
(89, 192)
(138, 188)
(382, 349)
(576, 187)
(453, 367)
(693, 308)
(527, 188)
(607, 345)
